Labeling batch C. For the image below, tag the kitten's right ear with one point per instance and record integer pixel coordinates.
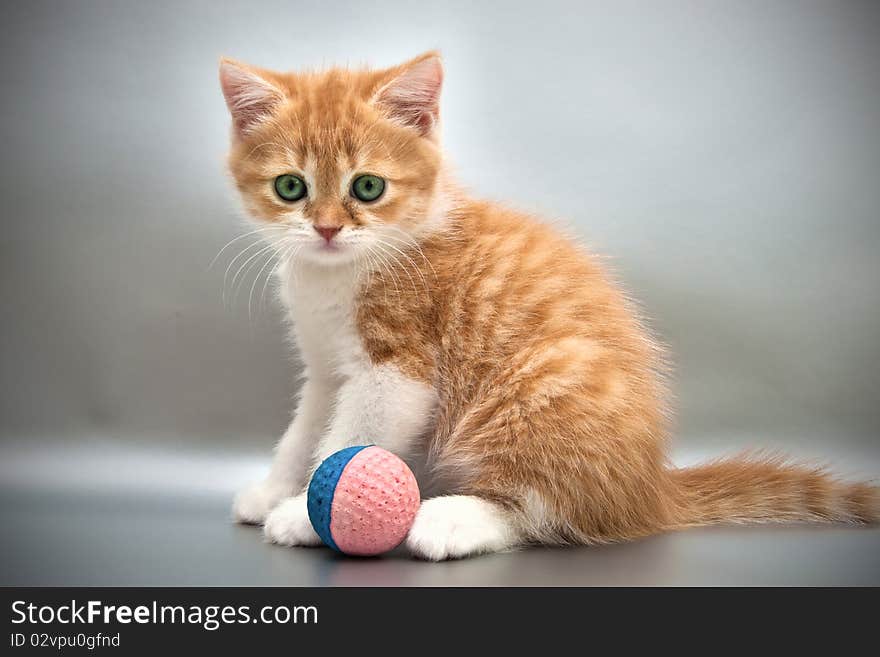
(250, 98)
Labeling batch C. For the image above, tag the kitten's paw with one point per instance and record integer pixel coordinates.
(459, 526)
(288, 524)
(252, 505)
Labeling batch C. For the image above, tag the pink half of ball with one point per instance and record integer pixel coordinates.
(375, 503)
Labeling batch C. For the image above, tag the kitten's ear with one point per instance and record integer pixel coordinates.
(412, 96)
(250, 98)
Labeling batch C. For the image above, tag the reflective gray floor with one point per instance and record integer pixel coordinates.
(102, 512)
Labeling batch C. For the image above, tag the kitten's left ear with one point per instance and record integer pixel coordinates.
(412, 97)
(250, 97)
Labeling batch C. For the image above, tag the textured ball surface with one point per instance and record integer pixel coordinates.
(363, 500)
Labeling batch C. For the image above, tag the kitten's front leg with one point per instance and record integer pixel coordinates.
(292, 455)
(380, 406)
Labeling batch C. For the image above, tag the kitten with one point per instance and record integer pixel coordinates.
(462, 332)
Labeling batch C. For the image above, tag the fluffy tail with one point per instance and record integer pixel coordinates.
(760, 488)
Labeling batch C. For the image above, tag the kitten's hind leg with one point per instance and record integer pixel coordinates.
(455, 526)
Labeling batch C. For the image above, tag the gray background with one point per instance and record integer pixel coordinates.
(724, 155)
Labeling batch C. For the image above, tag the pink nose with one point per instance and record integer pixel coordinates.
(328, 232)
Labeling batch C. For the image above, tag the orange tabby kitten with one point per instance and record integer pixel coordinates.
(466, 334)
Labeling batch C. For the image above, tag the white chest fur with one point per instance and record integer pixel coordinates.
(372, 403)
(321, 302)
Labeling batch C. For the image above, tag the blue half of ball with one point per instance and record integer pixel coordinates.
(322, 488)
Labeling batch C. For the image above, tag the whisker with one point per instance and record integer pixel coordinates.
(240, 237)
(280, 261)
(232, 262)
(246, 267)
(397, 261)
(382, 270)
(269, 261)
(411, 241)
(406, 269)
(373, 264)
(387, 268)
(294, 265)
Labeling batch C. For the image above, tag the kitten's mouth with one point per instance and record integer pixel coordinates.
(329, 253)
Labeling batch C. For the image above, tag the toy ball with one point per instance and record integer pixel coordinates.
(363, 500)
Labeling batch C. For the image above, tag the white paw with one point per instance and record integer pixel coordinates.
(252, 505)
(288, 524)
(458, 526)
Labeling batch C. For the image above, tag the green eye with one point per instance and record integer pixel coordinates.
(367, 188)
(290, 187)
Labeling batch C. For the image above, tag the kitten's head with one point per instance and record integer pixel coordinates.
(337, 162)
